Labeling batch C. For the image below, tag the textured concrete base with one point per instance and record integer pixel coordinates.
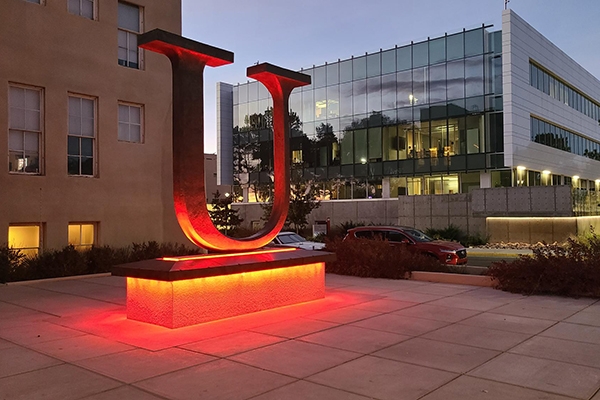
(189, 302)
(181, 291)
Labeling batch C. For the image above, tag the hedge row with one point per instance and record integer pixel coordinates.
(378, 259)
(14, 266)
(567, 270)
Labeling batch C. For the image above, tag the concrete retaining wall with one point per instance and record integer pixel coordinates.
(474, 213)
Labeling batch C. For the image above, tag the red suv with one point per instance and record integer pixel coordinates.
(447, 252)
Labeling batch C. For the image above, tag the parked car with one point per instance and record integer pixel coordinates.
(447, 252)
(295, 240)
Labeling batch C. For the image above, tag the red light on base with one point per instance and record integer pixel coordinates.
(175, 304)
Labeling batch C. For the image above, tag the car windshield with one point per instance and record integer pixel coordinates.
(417, 235)
(293, 238)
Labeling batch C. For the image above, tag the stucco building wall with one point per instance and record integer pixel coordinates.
(129, 197)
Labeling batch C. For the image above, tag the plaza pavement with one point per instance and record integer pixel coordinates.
(369, 338)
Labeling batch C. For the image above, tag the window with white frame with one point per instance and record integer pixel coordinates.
(130, 123)
(129, 27)
(82, 135)
(85, 8)
(26, 238)
(24, 129)
(82, 235)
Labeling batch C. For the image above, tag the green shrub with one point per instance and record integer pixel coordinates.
(102, 258)
(475, 240)
(452, 232)
(568, 270)
(10, 262)
(456, 234)
(55, 263)
(69, 261)
(376, 259)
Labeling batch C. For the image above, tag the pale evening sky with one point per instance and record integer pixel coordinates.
(297, 34)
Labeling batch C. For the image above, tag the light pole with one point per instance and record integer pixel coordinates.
(364, 162)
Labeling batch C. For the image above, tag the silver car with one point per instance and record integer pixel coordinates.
(294, 240)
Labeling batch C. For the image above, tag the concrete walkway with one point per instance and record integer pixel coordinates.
(369, 338)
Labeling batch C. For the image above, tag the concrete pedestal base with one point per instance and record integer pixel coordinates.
(177, 292)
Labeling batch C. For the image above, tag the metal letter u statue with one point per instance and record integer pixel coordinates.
(188, 59)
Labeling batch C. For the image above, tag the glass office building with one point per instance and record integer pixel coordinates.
(424, 118)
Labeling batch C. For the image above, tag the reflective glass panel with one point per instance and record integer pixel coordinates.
(253, 91)
(420, 54)
(456, 79)
(437, 83)
(374, 144)
(346, 99)
(388, 91)
(333, 101)
(419, 95)
(437, 50)
(359, 94)
(346, 71)
(320, 103)
(404, 58)
(455, 46)
(474, 76)
(473, 42)
(359, 68)
(360, 146)
(347, 147)
(308, 106)
(373, 64)
(374, 94)
(319, 77)
(388, 61)
(390, 143)
(332, 74)
(404, 88)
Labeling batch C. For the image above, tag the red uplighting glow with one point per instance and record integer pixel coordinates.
(209, 256)
(188, 302)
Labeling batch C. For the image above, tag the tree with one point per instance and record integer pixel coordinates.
(303, 199)
(224, 217)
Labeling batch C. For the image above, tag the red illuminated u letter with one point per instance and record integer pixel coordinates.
(188, 59)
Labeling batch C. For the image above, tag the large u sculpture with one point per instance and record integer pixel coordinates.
(176, 292)
(188, 59)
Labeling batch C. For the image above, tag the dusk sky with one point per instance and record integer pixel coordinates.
(298, 34)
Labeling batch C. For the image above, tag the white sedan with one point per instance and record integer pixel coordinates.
(295, 240)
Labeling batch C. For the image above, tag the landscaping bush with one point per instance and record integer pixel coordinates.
(456, 234)
(377, 259)
(568, 270)
(69, 261)
(10, 260)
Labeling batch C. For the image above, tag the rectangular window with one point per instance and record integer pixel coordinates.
(34, 1)
(82, 235)
(24, 129)
(130, 23)
(26, 238)
(130, 123)
(84, 8)
(81, 136)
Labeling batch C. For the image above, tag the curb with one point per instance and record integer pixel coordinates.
(62, 278)
(458, 279)
(498, 255)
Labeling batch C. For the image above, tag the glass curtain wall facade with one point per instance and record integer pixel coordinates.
(419, 119)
